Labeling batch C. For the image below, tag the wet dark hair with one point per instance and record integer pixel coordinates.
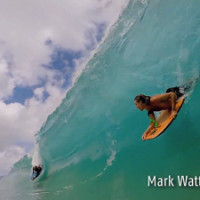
(143, 98)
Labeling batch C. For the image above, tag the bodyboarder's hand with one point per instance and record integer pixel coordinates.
(173, 114)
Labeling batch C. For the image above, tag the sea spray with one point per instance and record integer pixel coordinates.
(36, 158)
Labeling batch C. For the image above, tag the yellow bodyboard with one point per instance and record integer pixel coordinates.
(164, 120)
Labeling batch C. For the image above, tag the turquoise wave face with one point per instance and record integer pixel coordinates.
(91, 145)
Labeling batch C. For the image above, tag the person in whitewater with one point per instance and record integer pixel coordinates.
(36, 171)
(159, 102)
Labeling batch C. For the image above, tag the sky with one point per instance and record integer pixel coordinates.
(44, 45)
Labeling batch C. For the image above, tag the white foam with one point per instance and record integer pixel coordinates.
(36, 158)
(69, 187)
(111, 158)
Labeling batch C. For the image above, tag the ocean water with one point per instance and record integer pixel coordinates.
(91, 147)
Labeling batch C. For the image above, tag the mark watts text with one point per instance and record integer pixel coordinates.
(169, 181)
